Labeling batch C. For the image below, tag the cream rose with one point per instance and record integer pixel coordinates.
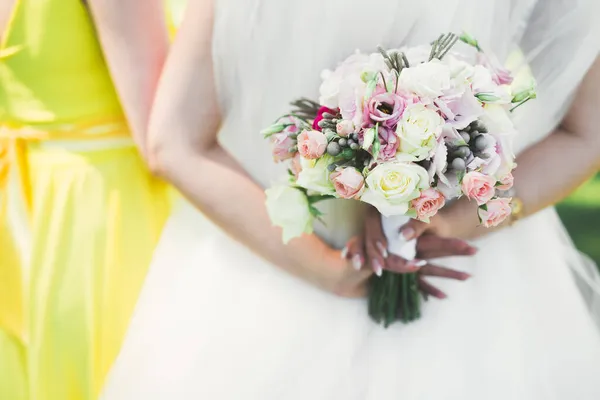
(495, 212)
(393, 185)
(288, 208)
(314, 175)
(418, 131)
(428, 80)
(479, 187)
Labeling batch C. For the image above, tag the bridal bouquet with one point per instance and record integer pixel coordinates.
(406, 131)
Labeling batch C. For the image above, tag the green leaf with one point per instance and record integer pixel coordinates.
(371, 85)
(484, 207)
(460, 175)
(368, 139)
(487, 97)
(273, 129)
(376, 143)
(412, 213)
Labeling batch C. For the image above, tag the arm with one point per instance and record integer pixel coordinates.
(135, 43)
(183, 148)
(548, 171)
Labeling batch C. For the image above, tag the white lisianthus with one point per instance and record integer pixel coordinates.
(428, 80)
(460, 70)
(496, 119)
(391, 186)
(288, 208)
(314, 175)
(486, 89)
(418, 131)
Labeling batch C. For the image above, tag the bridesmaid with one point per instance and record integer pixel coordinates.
(79, 212)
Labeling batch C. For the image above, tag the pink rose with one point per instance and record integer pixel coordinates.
(312, 144)
(500, 75)
(389, 144)
(344, 128)
(506, 182)
(296, 166)
(319, 117)
(282, 144)
(348, 182)
(384, 108)
(428, 204)
(495, 212)
(479, 187)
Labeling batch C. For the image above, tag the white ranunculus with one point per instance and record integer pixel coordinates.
(426, 80)
(496, 119)
(418, 131)
(314, 175)
(392, 185)
(288, 208)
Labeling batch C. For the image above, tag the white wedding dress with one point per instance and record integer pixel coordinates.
(217, 322)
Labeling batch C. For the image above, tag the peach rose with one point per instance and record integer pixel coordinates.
(495, 212)
(296, 166)
(312, 144)
(428, 204)
(348, 182)
(479, 187)
(282, 144)
(506, 182)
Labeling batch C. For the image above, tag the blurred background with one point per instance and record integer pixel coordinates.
(581, 215)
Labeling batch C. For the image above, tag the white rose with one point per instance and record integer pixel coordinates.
(288, 208)
(418, 131)
(314, 175)
(392, 185)
(496, 119)
(426, 80)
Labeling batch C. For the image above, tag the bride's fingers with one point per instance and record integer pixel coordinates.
(433, 246)
(431, 290)
(413, 229)
(375, 241)
(443, 272)
(398, 264)
(354, 252)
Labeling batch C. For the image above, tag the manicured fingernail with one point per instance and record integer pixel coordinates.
(417, 264)
(377, 268)
(407, 234)
(443, 296)
(344, 253)
(472, 250)
(356, 262)
(382, 249)
(465, 276)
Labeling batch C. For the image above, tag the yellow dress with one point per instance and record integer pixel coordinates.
(79, 213)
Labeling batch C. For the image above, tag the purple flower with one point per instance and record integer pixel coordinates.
(501, 76)
(384, 108)
(389, 143)
(459, 107)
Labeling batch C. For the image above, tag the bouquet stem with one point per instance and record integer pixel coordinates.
(395, 296)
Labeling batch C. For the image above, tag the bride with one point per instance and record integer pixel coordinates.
(229, 312)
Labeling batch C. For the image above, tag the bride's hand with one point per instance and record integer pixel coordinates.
(431, 244)
(340, 272)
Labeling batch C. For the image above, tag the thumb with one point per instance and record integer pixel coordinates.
(413, 229)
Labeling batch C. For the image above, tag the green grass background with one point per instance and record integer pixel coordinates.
(580, 213)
